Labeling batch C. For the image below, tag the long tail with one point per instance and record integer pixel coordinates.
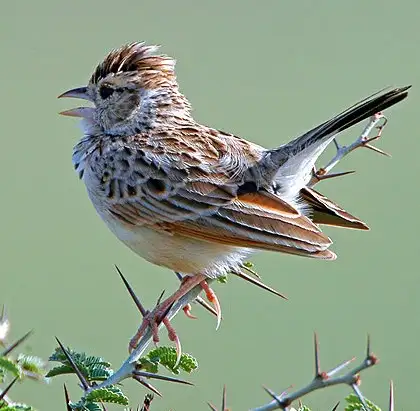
(316, 140)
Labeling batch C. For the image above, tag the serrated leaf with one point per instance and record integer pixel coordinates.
(10, 366)
(167, 356)
(60, 370)
(99, 372)
(111, 394)
(354, 404)
(17, 407)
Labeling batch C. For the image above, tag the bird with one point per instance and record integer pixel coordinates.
(190, 197)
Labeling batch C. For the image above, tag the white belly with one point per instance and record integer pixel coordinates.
(179, 253)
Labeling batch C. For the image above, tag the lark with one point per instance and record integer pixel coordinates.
(190, 197)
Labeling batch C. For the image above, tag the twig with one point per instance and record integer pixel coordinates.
(324, 379)
(378, 121)
(224, 407)
(129, 368)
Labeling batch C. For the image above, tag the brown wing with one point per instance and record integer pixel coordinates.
(193, 193)
(329, 213)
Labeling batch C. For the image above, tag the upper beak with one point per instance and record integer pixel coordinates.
(80, 92)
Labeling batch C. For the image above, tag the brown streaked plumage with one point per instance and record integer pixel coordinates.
(192, 198)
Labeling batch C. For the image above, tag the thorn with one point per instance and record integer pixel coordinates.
(206, 306)
(3, 315)
(336, 406)
(224, 398)
(338, 174)
(337, 146)
(160, 298)
(132, 293)
(7, 389)
(147, 385)
(250, 270)
(79, 374)
(258, 283)
(212, 407)
(160, 377)
(179, 275)
(339, 367)
(360, 396)
(317, 361)
(378, 150)
(391, 396)
(368, 350)
(273, 395)
(67, 398)
(9, 349)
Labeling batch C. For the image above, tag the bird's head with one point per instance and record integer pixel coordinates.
(132, 90)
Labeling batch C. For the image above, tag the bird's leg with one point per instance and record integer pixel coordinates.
(158, 315)
(378, 122)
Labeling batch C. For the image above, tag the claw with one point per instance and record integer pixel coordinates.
(211, 296)
(172, 335)
(187, 311)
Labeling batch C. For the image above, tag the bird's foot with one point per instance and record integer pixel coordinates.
(159, 315)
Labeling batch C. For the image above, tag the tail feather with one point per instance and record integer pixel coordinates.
(346, 119)
(291, 164)
(324, 211)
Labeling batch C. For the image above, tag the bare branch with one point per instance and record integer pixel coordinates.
(323, 379)
(378, 122)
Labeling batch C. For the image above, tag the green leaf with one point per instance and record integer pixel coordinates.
(60, 370)
(222, 279)
(99, 372)
(110, 394)
(148, 365)
(16, 407)
(354, 404)
(167, 357)
(31, 363)
(10, 366)
(304, 408)
(93, 368)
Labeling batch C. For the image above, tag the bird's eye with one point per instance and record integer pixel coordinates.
(105, 91)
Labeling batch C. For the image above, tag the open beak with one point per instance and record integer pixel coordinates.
(80, 92)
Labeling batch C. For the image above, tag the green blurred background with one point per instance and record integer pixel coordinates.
(264, 70)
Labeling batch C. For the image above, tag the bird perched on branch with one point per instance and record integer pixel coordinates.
(192, 198)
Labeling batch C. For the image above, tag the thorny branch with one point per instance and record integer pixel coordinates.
(324, 379)
(378, 122)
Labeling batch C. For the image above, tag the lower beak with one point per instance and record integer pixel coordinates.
(80, 92)
(85, 112)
